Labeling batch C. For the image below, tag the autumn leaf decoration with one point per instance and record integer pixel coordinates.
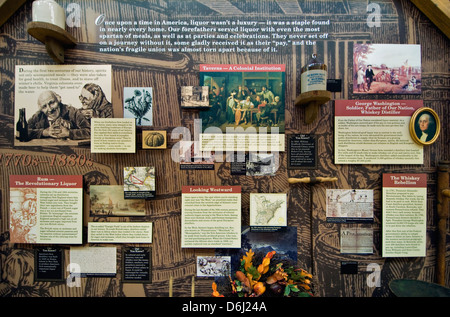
(254, 281)
(215, 292)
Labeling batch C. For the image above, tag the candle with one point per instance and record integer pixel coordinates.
(49, 11)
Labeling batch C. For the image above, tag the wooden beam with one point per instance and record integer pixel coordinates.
(438, 11)
(7, 9)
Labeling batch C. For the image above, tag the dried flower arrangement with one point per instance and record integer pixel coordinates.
(268, 279)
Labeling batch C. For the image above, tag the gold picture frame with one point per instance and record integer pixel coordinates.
(432, 126)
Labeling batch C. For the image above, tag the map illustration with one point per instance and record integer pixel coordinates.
(139, 179)
(268, 209)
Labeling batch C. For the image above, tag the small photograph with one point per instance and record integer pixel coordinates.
(191, 158)
(154, 139)
(194, 97)
(424, 126)
(212, 266)
(108, 200)
(268, 209)
(138, 104)
(259, 164)
(386, 69)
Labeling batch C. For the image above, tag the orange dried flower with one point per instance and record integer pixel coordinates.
(259, 288)
(215, 292)
(248, 259)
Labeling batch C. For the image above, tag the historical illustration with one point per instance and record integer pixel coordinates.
(211, 266)
(54, 104)
(193, 97)
(138, 103)
(349, 205)
(387, 69)
(244, 96)
(108, 200)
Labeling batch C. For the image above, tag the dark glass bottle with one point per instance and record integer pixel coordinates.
(22, 126)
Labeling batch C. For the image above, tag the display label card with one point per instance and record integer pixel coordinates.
(120, 232)
(239, 164)
(357, 240)
(139, 182)
(302, 151)
(262, 142)
(46, 209)
(48, 265)
(93, 261)
(334, 85)
(349, 267)
(404, 215)
(349, 205)
(137, 265)
(375, 132)
(211, 217)
(111, 135)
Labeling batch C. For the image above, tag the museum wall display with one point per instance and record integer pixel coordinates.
(202, 148)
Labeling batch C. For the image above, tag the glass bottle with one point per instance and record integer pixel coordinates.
(313, 75)
(22, 127)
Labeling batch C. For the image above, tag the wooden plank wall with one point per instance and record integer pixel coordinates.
(318, 241)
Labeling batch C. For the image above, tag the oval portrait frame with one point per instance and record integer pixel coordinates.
(413, 123)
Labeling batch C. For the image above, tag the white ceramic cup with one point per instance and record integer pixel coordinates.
(49, 11)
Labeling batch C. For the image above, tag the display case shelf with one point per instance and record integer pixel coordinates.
(311, 100)
(56, 39)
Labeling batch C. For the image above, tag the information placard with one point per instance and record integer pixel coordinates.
(404, 218)
(375, 132)
(48, 263)
(120, 232)
(137, 265)
(46, 209)
(211, 217)
(302, 151)
(111, 135)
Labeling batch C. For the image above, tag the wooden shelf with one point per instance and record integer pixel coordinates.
(311, 100)
(8, 8)
(55, 38)
(438, 11)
